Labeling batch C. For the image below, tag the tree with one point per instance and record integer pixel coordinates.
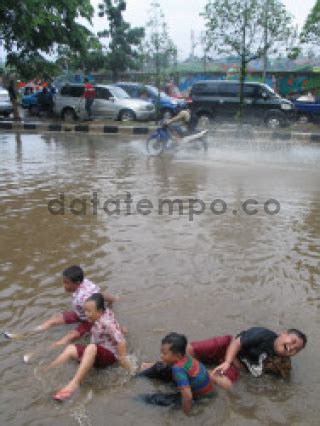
(92, 59)
(248, 28)
(160, 51)
(30, 28)
(311, 29)
(123, 51)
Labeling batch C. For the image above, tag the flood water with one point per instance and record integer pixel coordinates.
(213, 275)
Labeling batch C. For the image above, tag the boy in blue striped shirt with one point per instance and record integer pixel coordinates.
(190, 376)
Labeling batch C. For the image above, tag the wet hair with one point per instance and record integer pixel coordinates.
(74, 274)
(299, 334)
(177, 342)
(98, 299)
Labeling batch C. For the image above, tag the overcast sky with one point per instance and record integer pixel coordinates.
(182, 16)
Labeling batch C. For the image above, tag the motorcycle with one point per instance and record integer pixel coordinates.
(162, 139)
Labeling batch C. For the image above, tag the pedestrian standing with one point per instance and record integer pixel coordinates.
(89, 96)
(14, 100)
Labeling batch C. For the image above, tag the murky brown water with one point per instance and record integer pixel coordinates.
(217, 274)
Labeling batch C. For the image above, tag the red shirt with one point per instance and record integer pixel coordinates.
(89, 92)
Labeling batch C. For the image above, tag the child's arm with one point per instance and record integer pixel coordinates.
(231, 354)
(68, 338)
(186, 396)
(123, 360)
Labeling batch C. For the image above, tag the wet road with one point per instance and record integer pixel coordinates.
(215, 274)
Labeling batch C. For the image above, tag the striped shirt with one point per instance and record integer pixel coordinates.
(189, 372)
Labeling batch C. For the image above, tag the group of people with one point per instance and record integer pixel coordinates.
(256, 350)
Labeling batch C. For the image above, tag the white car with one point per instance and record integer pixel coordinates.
(111, 102)
(5, 103)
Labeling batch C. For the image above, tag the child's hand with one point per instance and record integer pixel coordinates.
(124, 330)
(221, 369)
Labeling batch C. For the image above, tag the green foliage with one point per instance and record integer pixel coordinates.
(227, 19)
(248, 28)
(30, 28)
(311, 29)
(33, 66)
(92, 59)
(124, 42)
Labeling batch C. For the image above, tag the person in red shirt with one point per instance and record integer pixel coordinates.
(89, 96)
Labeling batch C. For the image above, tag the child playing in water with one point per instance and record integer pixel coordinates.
(81, 289)
(249, 350)
(107, 346)
(252, 349)
(190, 376)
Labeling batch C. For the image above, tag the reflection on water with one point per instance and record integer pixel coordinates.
(213, 275)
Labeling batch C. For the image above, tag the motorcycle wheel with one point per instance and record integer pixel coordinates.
(155, 145)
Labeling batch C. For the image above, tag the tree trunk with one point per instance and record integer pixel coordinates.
(243, 65)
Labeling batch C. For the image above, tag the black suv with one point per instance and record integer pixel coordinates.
(220, 100)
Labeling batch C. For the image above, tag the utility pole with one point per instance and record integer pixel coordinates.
(265, 51)
(243, 56)
(193, 44)
(157, 46)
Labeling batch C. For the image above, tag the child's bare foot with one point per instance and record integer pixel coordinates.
(66, 392)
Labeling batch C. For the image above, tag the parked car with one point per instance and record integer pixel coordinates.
(30, 102)
(111, 102)
(307, 111)
(5, 103)
(168, 106)
(220, 100)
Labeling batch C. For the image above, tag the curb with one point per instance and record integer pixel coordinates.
(249, 134)
(76, 128)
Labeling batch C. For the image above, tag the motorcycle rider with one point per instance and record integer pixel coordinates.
(182, 122)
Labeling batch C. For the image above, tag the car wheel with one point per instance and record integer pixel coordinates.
(303, 119)
(34, 110)
(203, 122)
(127, 115)
(69, 115)
(273, 122)
(166, 114)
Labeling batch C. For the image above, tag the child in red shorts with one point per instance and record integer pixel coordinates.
(248, 351)
(107, 346)
(81, 289)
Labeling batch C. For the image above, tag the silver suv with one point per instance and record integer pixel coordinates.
(111, 102)
(5, 103)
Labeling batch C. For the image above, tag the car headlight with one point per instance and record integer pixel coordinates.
(286, 107)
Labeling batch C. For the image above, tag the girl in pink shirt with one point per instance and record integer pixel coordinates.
(107, 346)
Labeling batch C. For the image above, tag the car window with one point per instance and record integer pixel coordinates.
(74, 91)
(131, 90)
(118, 92)
(206, 89)
(197, 89)
(65, 91)
(229, 90)
(152, 91)
(250, 91)
(103, 93)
